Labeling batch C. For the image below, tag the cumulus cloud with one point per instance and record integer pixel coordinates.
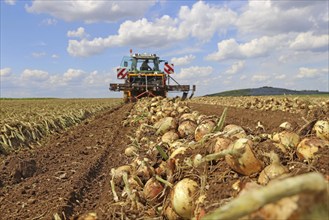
(35, 75)
(305, 72)
(90, 11)
(162, 32)
(236, 67)
(275, 17)
(72, 74)
(80, 33)
(194, 72)
(307, 41)
(5, 72)
(181, 61)
(203, 20)
(231, 49)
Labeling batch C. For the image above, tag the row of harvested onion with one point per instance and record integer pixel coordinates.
(159, 180)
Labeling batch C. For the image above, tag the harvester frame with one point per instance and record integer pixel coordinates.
(147, 82)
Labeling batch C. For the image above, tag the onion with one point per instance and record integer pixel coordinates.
(186, 129)
(118, 172)
(204, 128)
(273, 170)
(130, 151)
(286, 126)
(234, 131)
(165, 124)
(169, 136)
(144, 171)
(321, 129)
(308, 146)
(183, 196)
(287, 138)
(170, 214)
(219, 144)
(187, 116)
(246, 163)
(152, 189)
(178, 151)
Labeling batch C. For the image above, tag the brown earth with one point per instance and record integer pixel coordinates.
(70, 173)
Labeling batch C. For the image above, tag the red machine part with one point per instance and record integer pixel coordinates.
(169, 68)
(122, 73)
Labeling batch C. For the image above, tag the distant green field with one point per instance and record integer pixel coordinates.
(269, 91)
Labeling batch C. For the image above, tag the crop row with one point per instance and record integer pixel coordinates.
(24, 122)
(292, 104)
(181, 158)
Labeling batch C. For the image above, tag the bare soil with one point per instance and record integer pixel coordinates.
(70, 173)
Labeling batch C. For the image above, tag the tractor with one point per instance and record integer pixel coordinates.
(143, 78)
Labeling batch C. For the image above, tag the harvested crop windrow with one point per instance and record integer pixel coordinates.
(26, 122)
(309, 106)
(179, 155)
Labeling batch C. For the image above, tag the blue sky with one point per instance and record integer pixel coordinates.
(71, 48)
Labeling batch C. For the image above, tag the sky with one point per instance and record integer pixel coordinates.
(71, 48)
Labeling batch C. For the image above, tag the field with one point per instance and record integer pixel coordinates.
(24, 122)
(126, 161)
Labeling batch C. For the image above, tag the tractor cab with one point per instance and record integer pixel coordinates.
(135, 62)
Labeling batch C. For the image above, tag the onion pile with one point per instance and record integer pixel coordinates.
(173, 146)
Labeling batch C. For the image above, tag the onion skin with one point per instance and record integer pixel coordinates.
(321, 129)
(170, 214)
(309, 146)
(204, 128)
(165, 124)
(186, 129)
(169, 137)
(246, 163)
(288, 139)
(275, 169)
(152, 189)
(235, 131)
(219, 144)
(183, 197)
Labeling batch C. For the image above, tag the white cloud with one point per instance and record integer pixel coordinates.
(95, 78)
(307, 41)
(231, 49)
(203, 20)
(146, 34)
(260, 77)
(38, 54)
(243, 77)
(5, 72)
(180, 61)
(90, 11)
(282, 76)
(54, 56)
(10, 2)
(35, 75)
(275, 17)
(305, 72)
(236, 67)
(49, 21)
(194, 72)
(80, 33)
(72, 74)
